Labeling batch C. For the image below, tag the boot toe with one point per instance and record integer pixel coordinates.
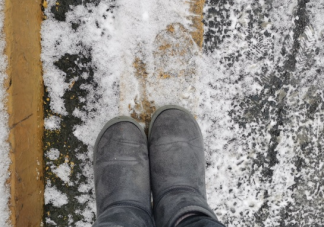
(174, 125)
(113, 138)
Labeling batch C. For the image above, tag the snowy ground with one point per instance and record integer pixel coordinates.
(4, 131)
(257, 91)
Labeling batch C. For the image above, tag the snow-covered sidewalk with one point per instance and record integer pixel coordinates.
(256, 89)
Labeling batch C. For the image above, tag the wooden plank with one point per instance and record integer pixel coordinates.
(25, 108)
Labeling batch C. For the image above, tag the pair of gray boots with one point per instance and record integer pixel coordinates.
(171, 164)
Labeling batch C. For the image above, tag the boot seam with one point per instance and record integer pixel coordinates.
(172, 189)
(129, 142)
(188, 142)
(129, 204)
(184, 141)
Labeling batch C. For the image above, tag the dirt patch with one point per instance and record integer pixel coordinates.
(143, 108)
(25, 91)
(197, 7)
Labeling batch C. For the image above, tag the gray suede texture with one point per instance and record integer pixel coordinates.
(177, 167)
(121, 171)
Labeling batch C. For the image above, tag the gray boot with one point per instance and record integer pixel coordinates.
(121, 170)
(177, 166)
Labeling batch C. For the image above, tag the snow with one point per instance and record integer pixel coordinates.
(53, 154)
(54, 196)
(49, 221)
(4, 131)
(226, 76)
(52, 123)
(63, 171)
